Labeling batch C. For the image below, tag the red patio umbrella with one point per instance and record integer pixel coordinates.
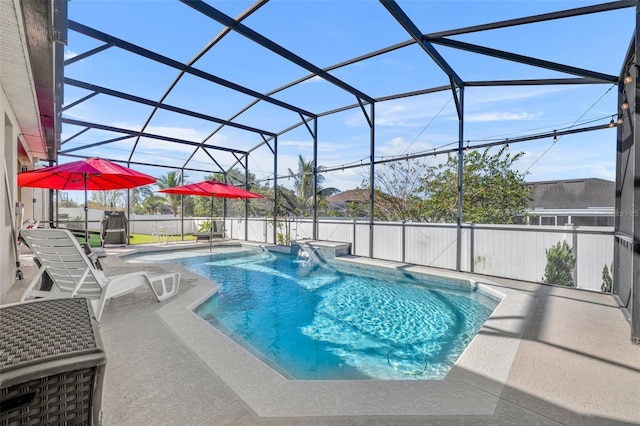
(211, 188)
(88, 174)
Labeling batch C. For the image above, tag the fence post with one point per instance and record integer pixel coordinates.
(472, 255)
(574, 248)
(353, 246)
(574, 244)
(403, 240)
(264, 230)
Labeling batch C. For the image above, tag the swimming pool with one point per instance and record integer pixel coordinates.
(330, 321)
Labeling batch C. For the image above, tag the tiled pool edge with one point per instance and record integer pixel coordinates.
(472, 387)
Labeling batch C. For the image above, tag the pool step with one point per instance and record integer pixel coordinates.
(326, 251)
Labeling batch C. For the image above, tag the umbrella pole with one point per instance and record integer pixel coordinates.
(224, 217)
(86, 213)
(211, 227)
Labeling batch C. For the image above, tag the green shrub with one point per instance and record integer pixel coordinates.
(282, 239)
(204, 226)
(607, 279)
(560, 265)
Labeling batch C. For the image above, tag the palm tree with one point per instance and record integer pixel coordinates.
(138, 195)
(171, 180)
(303, 184)
(303, 180)
(153, 204)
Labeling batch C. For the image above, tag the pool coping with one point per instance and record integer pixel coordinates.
(472, 387)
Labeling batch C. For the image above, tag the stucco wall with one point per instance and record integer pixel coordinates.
(8, 165)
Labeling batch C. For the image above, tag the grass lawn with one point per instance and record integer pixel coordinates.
(94, 239)
(144, 238)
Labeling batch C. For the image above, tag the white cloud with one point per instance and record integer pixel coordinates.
(156, 151)
(306, 146)
(294, 143)
(314, 79)
(344, 179)
(484, 117)
(174, 132)
(476, 96)
(81, 111)
(562, 163)
(70, 54)
(416, 111)
(399, 146)
(261, 165)
(439, 106)
(149, 148)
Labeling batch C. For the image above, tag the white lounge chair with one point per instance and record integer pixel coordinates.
(73, 274)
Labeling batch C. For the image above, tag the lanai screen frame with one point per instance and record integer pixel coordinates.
(363, 101)
(626, 256)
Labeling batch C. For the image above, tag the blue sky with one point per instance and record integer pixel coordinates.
(329, 32)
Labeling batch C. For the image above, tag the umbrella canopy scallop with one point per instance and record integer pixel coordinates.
(211, 188)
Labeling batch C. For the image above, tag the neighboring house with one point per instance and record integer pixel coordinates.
(583, 202)
(355, 203)
(343, 200)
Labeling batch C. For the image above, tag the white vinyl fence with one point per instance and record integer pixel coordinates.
(508, 251)
(519, 252)
(157, 224)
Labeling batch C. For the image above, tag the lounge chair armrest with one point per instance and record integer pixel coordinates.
(119, 285)
(164, 286)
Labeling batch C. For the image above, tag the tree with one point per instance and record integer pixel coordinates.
(262, 207)
(303, 180)
(101, 199)
(493, 192)
(201, 206)
(68, 203)
(303, 185)
(397, 195)
(152, 205)
(188, 205)
(607, 279)
(170, 180)
(287, 202)
(138, 195)
(560, 264)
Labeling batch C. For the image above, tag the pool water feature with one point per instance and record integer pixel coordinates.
(319, 321)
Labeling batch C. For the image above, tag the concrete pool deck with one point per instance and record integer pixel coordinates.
(548, 355)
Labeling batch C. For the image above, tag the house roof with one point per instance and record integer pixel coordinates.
(349, 196)
(572, 194)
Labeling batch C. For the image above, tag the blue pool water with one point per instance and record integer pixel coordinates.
(317, 322)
